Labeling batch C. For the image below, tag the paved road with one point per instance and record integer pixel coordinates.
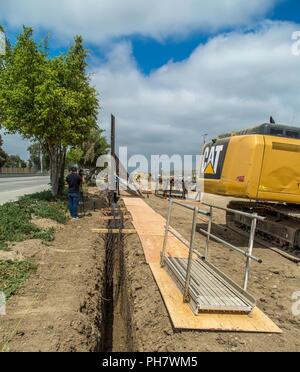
(12, 188)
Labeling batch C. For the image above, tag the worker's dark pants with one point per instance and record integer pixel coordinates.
(73, 204)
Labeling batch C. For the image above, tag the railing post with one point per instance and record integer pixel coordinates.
(186, 297)
(209, 232)
(163, 253)
(250, 251)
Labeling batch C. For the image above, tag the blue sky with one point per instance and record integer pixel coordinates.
(151, 54)
(287, 10)
(171, 70)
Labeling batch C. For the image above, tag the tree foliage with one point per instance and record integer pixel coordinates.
(48, 100)
(87, 154)
(74, 156)
(95, 146)
(35, 150)
(14, 161)
(3, 154)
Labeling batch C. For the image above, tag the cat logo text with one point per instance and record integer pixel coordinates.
(213, 159)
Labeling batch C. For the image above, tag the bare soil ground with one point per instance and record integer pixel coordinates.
(59, 307)
(272, 283)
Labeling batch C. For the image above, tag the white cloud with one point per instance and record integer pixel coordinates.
(99, 20)
(233, 81)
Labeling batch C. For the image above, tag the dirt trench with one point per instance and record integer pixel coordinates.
(96, 293)
(140, 318)
(136, 318)
(117, 331)
(78, 299)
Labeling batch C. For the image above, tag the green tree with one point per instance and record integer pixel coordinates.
(3, 154)
(14, 161)
(48, 100)
(87, 154)
(35, 151)
(74, 156)
(95, 146)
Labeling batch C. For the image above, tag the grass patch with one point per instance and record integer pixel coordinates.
(15, 218)
(45, 196)
(13, 275)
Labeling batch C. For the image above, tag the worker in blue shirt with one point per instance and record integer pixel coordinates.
(74, 182)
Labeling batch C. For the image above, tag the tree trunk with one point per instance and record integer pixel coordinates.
(57, 161)
(61, 185)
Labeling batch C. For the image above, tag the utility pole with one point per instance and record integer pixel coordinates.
(113, 135)
(41, 159)
(114, 156)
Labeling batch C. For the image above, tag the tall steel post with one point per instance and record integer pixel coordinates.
(114, 157)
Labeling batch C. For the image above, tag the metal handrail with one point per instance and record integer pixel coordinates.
(240, 213)
(231, 246)
(183, 241)
(248, 254)
(200, 211)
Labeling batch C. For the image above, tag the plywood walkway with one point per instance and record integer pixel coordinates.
(150, 228)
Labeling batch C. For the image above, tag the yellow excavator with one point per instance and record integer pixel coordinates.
(260, 165)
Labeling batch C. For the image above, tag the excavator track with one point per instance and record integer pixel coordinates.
(280, 229)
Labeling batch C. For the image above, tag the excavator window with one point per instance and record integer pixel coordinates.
(268, 129)
(276, 132)
(292, 134)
